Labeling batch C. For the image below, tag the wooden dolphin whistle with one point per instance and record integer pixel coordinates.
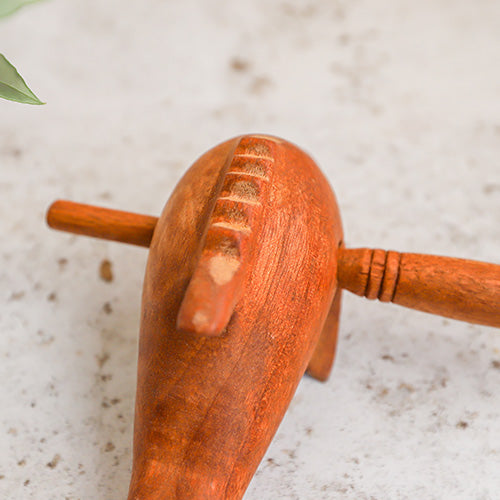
(242, 295)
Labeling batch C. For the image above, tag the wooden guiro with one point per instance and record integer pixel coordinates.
(241, 296)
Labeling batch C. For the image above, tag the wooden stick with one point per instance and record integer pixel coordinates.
(116, 225)
(460, 289)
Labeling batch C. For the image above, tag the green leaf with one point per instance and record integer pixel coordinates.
(12, 85)
(10, 6)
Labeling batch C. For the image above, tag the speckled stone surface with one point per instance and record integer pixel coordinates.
(399, 102)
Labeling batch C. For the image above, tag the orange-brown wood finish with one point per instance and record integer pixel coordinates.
(116, 225)
(253, 226)
(242, 294)
(460, 289)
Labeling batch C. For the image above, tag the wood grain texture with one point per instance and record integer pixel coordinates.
(98, 222)
(460, 289)
(207, 407)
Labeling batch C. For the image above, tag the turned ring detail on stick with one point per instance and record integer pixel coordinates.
(460, 289)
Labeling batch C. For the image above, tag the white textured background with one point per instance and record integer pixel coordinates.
(398, 101)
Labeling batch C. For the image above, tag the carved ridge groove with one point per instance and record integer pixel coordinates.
(383, 275)
(216, 283)
(238, 208)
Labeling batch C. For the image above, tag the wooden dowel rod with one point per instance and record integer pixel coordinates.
(460, 289)
(116, 225)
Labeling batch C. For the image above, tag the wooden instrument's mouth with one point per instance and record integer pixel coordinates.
(240, 280)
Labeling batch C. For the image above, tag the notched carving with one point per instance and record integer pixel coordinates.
(254, 167)
(233, 226)
(254, 148)
(244, 189)
(231, 212)
(228, 247)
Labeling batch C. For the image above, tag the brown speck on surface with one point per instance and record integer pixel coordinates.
(107, 308)
(12, 431)
(101, 360)
(44, 339)
(17, 295)
(106, 271)
(272, 462)
(406, 387)
(491, 188)
(260, 84)
(52, 297)
(21, 463)
(106, 403)
(106, 195)
(15, 152)
(462, 424)
(309, 431)
(239, 64)
(106, 378)
(1, 476)
(344, 39)
(26, 482)
(53, 463)
(387, 357)
(496, 364)
(109, 446)
(62, 262)
(383, 392)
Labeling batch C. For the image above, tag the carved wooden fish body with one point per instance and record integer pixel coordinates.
(249, 238)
